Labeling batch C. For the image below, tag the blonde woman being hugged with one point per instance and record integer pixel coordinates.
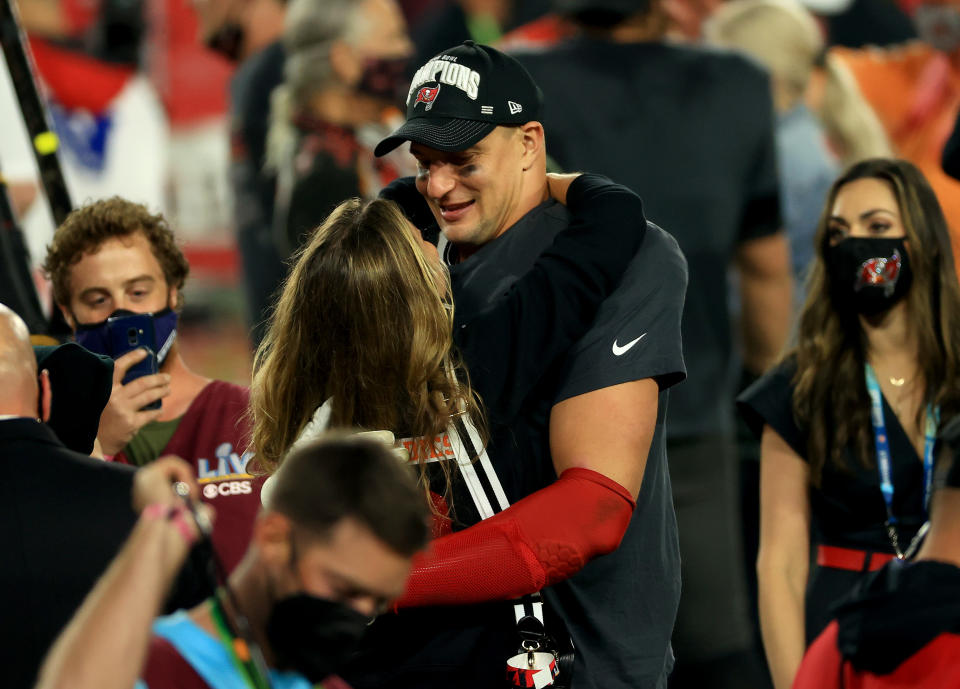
(849, 417)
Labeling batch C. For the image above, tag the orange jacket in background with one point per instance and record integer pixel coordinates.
(915, 91)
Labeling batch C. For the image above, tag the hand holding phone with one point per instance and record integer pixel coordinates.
(124, 414)
(128, 333)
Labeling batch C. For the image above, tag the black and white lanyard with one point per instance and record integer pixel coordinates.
(487, 493)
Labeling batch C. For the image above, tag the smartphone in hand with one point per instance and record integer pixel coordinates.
(135, 332)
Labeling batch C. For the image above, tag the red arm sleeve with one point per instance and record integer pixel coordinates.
(540, 540)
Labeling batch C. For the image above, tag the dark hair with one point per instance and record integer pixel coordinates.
(89, 226)
(830, 398)
(341, 476)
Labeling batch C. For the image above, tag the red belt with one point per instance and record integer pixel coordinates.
(850, 559)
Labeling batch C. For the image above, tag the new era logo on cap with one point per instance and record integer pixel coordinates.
(460, 96)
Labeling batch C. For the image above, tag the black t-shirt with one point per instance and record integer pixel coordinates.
(691, 131)
(847, 509)
(620, 608)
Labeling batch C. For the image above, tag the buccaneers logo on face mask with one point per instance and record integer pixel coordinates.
(427, 95)
(880, 272)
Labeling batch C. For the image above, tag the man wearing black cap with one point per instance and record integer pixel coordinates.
(473, 123)
(693, 130)
(902, 626)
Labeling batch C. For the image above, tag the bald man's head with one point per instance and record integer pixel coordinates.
(18, 367)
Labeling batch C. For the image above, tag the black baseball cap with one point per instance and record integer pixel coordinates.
(462, 95)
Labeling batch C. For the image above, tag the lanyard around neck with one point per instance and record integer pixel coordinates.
(254, 674)
(882, 444)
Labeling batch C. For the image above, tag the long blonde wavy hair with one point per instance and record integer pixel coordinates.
(830, 399)
(362, 321)
(784, 37)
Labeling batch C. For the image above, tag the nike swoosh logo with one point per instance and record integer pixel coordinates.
(620, 351)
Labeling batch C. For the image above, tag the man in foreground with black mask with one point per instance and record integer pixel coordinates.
(332, 546)
(112, 259)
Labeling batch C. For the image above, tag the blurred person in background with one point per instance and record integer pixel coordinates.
(64, 514)
(454, 21)
(344, 78)
(862, 23)
(113, 258)
(915, 90)
(693, 130)
(811, 145)
(902, 626)
(248, 32)
(849, 418)
(450, 22)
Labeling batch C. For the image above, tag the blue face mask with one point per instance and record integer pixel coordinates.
(96, 336)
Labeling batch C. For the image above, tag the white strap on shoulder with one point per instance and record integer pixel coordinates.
(315, 427)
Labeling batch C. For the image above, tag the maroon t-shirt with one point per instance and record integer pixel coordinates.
(166, 668)
(213, 436)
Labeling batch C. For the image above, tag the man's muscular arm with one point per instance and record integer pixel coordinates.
(541, 540)
(599, 441)
(607, 430)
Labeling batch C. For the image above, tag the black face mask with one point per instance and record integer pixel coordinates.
(227, 40)
(314, 636)
(385, 78)
(868, 276)
(96, 336)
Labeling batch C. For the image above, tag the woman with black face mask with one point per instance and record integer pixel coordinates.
(848, 420)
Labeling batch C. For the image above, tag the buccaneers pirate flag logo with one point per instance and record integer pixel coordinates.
(880, 272)
(427, 95)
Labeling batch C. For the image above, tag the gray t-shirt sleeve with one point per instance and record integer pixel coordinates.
(636, 333)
